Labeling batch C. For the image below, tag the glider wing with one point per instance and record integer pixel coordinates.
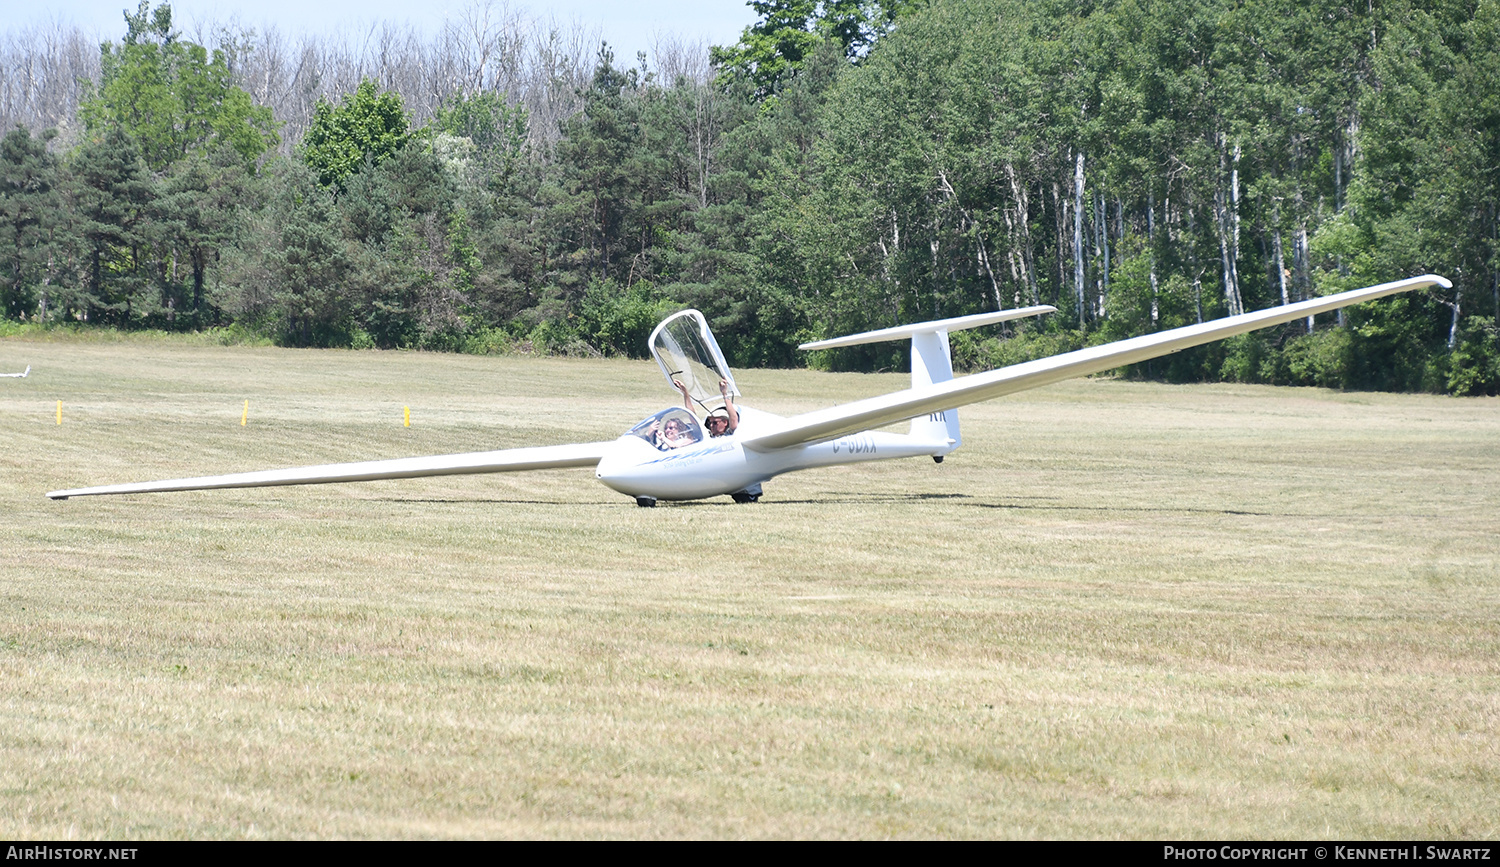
(889, 408)
(961, 323)
(502, 461)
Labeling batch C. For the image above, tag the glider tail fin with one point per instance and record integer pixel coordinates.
(931, 362)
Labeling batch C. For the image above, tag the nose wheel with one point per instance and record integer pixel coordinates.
(646, 502)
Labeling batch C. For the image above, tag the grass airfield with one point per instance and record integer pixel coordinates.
(1122, 610)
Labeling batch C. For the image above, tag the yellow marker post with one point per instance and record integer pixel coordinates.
(245, 416)
(408, 416)
(59, 412)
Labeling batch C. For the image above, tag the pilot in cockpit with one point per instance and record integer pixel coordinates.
(718, 425)
(723, 425)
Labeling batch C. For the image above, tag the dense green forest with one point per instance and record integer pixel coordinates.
(848, 165)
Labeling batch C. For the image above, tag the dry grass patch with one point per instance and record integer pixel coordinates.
(1122, 610)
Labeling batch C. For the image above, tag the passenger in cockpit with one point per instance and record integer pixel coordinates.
(675, 434)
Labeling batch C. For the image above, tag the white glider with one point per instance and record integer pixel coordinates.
(670, 456)
(22, 375)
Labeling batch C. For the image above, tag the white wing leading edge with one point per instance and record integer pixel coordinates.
(502, 461)
(886, 409)
(960, 323)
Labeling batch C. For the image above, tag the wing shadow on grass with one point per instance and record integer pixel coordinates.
(1019, 504)
(1025, 504)
(492, 501)
(836, 499)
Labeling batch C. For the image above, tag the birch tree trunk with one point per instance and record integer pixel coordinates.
(1280, 268)
(1226, 220)
(1234, 215)
(1013, 253)
(1151, 256)
(1060, 224)
(1078, 240)
(702, 136)
(1193, 264)
(1023, 218)
(1300, 264)
(1458, 294)
(1101, 246)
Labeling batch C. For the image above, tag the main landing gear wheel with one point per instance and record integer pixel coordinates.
(646, 502)
(748, 495)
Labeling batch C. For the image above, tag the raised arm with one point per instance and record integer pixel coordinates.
(734, 414)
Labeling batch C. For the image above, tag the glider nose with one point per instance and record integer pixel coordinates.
(616, 470)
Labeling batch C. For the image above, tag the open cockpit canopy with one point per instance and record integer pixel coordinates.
(688, 353)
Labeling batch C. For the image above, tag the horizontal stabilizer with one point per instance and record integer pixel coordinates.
(958, 323)
(875, 412)
(502, 461)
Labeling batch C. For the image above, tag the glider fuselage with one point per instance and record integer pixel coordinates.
(716, 466)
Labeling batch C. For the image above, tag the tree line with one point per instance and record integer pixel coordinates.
(848, 165)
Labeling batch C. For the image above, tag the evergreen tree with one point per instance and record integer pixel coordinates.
(200, 209)
(29, 216)
(112, 195)
(307, 264)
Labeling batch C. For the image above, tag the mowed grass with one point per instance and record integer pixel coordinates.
(1121, 610)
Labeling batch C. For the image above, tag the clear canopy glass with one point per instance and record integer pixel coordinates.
(688, 353)
(670, 429)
